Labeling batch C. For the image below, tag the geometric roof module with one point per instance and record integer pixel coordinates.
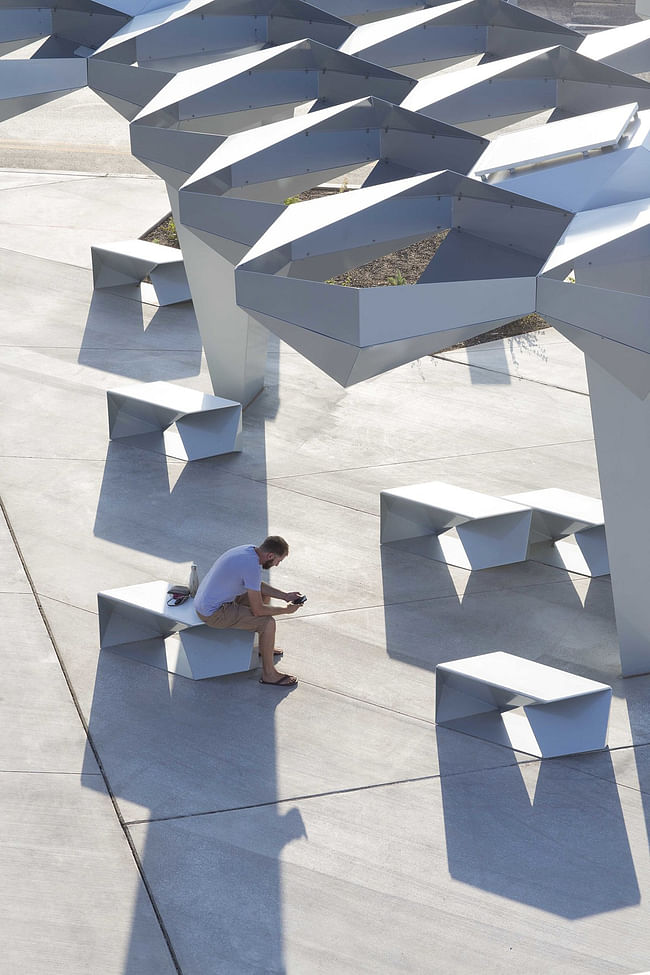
(172, 154)
(492, 95)
(125, 88)
(66, 30)
(626, 48)
(590, 246)
(262, 87)
(484, 273)
(453, 32)
(193, 32)
(26, 84)
(292, 155)
(610, 251)
(617, 174)
(235, 195)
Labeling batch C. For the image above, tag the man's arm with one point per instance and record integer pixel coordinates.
(259, 608)
(272, 593)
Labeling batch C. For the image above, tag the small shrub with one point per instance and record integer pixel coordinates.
(396, 279)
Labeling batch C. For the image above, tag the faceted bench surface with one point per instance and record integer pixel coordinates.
(450, 524)
(560, 515)
(122, 266)
(525, 705)
(173, 420)
(136, 622)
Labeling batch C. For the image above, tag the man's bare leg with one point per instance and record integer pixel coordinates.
(267, 644)
(277, 651)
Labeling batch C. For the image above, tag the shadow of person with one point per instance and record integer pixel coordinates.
(192, 767)
(539, 833)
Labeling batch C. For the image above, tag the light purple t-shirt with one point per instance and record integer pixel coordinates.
(232, 574)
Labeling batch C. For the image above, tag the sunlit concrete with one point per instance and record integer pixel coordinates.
(152, 824)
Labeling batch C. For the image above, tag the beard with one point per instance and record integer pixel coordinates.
(268, 564)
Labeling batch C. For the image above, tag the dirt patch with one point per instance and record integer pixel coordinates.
(164, 233)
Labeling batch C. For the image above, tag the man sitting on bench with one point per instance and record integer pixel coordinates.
(232, 594)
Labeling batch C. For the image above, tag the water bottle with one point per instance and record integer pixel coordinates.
(193, 583)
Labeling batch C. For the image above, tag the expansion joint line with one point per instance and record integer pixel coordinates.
(84, 723)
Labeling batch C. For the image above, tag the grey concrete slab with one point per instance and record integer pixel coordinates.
(71, 398)
(11, 179)
(47, 137)
(12, 574)
(492, 472)
(448, 415)
(66, 319)
(230, 742)
(67, 217)
(479, 859)
(543, 356)
(43, 730)
(388, 655)
(526, 868)
(134, 502)
(72, 900)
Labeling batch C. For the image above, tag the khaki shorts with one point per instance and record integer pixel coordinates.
(237, 615)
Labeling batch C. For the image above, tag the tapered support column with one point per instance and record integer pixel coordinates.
(235, 344)
(622, 430)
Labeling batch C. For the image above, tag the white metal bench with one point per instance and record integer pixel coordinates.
(559, 515)
(525, 705)
(174, 420)
(121, 267)
(136, 622)
(453, 525)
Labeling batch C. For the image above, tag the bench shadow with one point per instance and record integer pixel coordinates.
(141, 342)
(558, 843)
(537, 833)
(435, 613)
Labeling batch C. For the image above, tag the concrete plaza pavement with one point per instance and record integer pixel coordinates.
(152, 824)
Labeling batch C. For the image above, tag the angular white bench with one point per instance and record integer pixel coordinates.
(522, 704)
(136, 622)
(122, 266)
(558, 515)
(453, 525)
(174, 420)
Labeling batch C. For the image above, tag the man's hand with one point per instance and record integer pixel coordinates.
(292, 607)
(290, 596)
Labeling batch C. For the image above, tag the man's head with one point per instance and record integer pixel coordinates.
(272, 550)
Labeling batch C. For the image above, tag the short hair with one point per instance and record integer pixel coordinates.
(276, 545)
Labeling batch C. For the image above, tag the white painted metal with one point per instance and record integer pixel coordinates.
(454, 525)
(529, 706)
(543, 143)
(174, 420)
(122, 266)
(626, 48)
(559, 515)
(136, 622)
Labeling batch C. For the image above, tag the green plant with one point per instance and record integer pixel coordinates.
(396, 279)
(291, 199)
